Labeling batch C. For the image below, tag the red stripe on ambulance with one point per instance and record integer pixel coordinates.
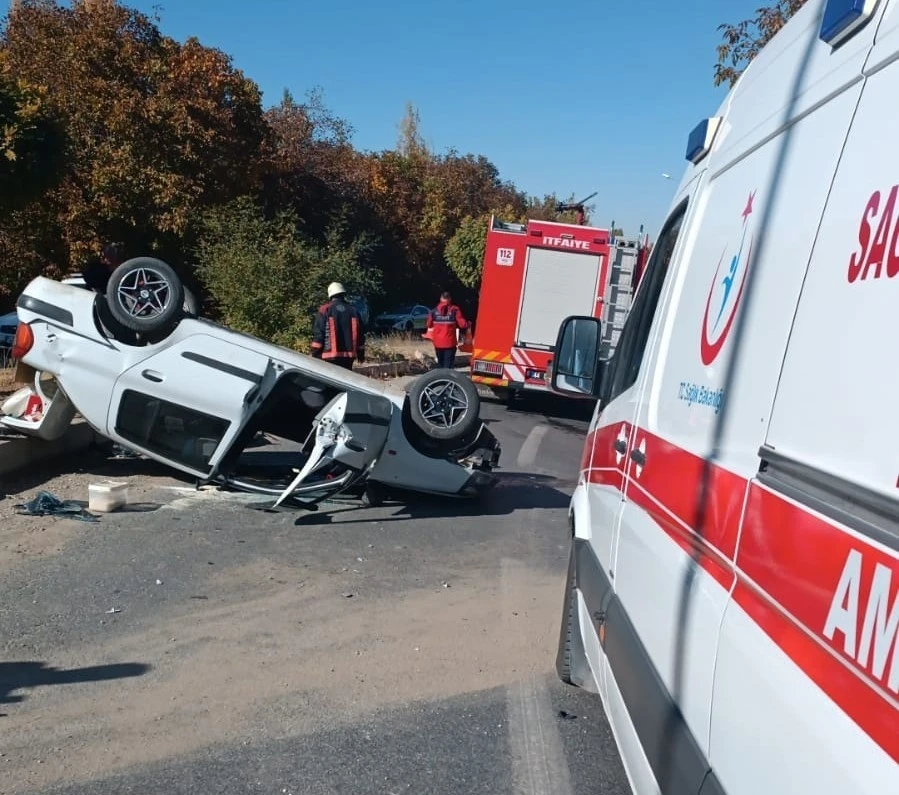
(828, 599)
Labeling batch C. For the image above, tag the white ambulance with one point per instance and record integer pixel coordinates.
(733, 588)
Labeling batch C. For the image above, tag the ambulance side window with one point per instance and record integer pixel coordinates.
(625, 365)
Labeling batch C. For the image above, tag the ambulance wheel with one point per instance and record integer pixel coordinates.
(445, 406)
(145, 295)
(570, 660)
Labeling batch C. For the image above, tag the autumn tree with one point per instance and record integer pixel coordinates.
(310, 163)
(744, 40)
(410, 142)
(155, 130)
(31, 144)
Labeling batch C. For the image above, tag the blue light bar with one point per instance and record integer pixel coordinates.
(843, 17)
(699, 142)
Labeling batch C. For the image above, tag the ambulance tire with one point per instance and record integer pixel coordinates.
(429, 387)
(123, 292)
(571, 660)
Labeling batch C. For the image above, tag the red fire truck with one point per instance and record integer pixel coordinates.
(534, 276)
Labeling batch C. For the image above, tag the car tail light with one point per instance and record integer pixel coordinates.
(23, 342)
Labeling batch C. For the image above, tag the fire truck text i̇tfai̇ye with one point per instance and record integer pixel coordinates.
(534, 276)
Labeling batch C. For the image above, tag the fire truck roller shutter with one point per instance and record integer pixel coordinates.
(556, 284)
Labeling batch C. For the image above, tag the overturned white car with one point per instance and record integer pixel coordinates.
(194, 395)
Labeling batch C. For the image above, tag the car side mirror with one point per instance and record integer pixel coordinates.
(576, 367)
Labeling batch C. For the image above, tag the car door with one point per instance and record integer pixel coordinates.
(346, 440)
(604, 466)
(628, 680)
(185, 403)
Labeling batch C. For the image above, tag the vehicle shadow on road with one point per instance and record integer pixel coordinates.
(97, 462)
(551, 407)
(23, 675)
(515, 491)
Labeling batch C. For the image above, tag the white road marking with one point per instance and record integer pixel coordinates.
(528, 454)
(538, 761)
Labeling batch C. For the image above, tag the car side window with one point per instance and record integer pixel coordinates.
(628, 358)
(169, 430)
(420, 310)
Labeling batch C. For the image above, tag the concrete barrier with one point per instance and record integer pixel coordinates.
(398, 369)
(20, 453)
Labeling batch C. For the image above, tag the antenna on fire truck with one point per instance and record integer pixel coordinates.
(578, 207)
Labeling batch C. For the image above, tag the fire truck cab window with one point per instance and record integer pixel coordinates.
(628, 358)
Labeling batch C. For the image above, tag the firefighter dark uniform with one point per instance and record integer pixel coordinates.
(443, 321)
(337, 333)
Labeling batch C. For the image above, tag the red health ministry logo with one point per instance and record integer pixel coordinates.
(717, 324)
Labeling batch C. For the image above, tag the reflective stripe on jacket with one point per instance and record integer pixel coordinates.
(337, 331)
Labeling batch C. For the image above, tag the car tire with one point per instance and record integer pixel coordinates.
(434, 400)
(140, 310)
(409, 326)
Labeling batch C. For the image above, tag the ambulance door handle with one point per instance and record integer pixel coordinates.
(638, 457)
(621, 446)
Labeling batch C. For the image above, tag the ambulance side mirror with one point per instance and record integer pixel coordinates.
(576, 367)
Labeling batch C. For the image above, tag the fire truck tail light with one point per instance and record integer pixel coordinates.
(23, 342)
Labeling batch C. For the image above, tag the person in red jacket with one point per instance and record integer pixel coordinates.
(443, 322)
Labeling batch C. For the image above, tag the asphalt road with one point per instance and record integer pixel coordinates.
(196, 644)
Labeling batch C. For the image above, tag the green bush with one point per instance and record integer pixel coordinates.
(267, 279)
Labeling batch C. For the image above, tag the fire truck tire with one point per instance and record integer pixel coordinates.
(444, 405)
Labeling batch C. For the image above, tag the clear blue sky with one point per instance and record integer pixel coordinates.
(571, 97)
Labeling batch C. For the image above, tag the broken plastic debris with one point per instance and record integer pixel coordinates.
(113, 610)
(46, 504)
(566, 715)
(158, 582)
(119, 453)
(107, 496)
(446, 585)
(347, 595)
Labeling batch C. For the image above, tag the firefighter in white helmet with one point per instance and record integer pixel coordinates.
(338, 335)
